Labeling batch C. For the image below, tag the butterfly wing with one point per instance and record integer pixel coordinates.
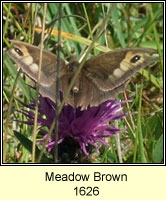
(27, 57)
(106, 75)
(110, 70)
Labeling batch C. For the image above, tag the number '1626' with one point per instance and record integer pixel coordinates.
(87, 191)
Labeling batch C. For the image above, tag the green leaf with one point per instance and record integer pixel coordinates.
(28, 145)
(158, 150)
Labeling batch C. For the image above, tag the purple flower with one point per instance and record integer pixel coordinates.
(86, 127)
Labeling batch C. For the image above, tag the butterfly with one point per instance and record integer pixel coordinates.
(102, 77)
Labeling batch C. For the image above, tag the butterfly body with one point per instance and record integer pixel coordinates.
(101, 78)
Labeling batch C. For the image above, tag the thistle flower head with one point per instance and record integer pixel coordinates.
(86, 127)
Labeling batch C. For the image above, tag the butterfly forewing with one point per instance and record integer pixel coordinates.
(112, 69)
